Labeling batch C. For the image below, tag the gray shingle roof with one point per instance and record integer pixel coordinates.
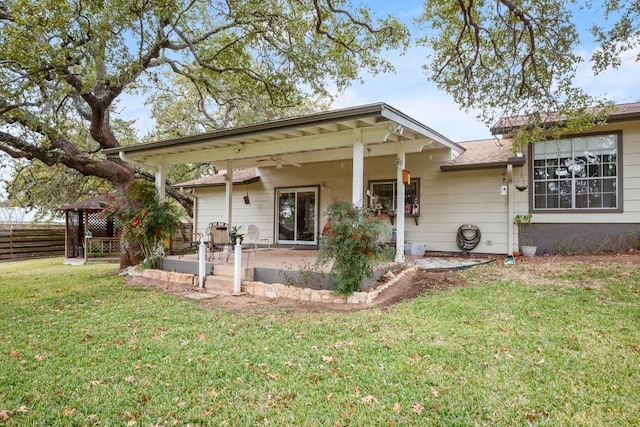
(484, 154)
(240, 176)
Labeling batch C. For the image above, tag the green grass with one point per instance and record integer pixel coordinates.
(81, 347)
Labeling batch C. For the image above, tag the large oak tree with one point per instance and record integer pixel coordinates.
(66, 66)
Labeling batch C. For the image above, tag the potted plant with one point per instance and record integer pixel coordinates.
(523, 222)
(235, 234)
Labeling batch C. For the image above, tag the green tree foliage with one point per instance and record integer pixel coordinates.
(351, 240)
(511, 58)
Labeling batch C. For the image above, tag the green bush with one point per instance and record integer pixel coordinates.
(145, 220)
(351, 239)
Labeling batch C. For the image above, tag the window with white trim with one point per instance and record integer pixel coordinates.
(383, 196)
(581, 173)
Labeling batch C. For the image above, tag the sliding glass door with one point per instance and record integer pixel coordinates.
(297, 215)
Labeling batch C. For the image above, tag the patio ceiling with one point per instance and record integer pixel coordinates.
(328, 136)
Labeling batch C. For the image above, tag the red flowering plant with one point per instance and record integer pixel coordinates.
(351, 239)
(146, 221)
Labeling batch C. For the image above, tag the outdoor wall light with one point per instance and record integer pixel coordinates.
(238, 149)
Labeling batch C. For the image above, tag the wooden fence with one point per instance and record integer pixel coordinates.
(31, 242)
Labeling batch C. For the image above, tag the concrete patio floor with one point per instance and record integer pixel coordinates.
(304, 259)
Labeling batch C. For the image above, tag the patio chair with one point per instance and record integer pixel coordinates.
(253, 235)
(219, 238)
(190, 243)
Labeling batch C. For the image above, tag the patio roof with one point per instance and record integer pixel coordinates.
(484, 154)
(329, 135)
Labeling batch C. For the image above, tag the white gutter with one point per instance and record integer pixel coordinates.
(124, 158)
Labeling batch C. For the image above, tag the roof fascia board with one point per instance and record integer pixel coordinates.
(322, 142)
(408, 122)
(317, 119)
(515, 161)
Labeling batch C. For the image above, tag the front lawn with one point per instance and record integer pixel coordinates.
(553, 347)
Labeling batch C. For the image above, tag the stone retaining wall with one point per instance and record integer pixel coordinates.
(278, 290)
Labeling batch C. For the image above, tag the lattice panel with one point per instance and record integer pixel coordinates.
(103, 227)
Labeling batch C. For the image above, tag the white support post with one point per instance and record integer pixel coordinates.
(237, 268)
(357, 196)
(510, 238)
(202, 258)
(161, 178)
(229, 194)
(400, 161)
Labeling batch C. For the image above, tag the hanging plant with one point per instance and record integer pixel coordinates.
(521, 185)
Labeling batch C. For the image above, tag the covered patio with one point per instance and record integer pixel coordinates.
(346, 136)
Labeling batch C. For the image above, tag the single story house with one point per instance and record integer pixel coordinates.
(583, 190)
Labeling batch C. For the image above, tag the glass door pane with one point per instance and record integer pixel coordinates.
(305, 224)
(297, 215)
(286, 216)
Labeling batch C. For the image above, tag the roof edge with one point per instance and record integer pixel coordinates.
(515, 161)
(309, 119)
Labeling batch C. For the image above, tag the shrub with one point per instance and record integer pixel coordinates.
(350, 239)
(145, 220)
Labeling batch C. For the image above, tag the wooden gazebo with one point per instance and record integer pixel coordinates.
(89, 234)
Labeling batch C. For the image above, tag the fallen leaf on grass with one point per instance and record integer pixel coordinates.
(69, 411)
(14, 354)
(369, 399)
(327, 359)
(129, 379)
(273, 375)
(96, 382)
(530, 417)
(337, 344)
(23, 409)
(434, 393)
(396, 407)
(4, 415)
(202, 336)
(417, 408)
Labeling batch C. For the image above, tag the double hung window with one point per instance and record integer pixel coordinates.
(580, 173)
